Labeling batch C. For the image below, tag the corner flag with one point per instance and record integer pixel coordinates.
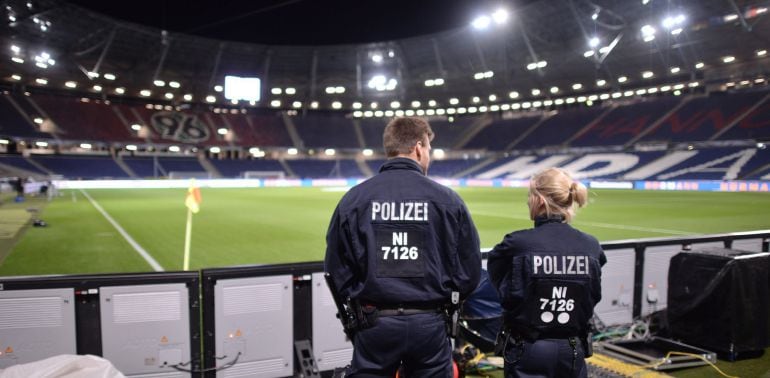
(192, 201)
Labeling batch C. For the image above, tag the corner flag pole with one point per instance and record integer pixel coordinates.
(192, 201)
(188, 233)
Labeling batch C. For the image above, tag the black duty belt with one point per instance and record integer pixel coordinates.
(396, 311)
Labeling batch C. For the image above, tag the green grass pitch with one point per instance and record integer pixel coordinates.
(278, 225)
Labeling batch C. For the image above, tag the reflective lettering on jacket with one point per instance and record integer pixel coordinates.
(406, 211)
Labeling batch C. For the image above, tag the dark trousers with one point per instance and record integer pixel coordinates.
(544, 358)
(419, 342)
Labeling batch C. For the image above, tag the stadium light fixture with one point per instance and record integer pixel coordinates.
(373, 105)
(526, 105)
(256, 152)
(41, 81)
(41, 144)
(159, 83)
(542, 64)
(671, 22)
(5, 141)
(296, 104)
(336, 105)
(276, 91)
(558, 101)
(431, 102)
(389, 113)
(588, 54)
(679, 86)
(665, 88)
(97, 88)
(131, 147)
(677, 31)
(329, 90)
(648, 30)
(292, 151)
(438, 81)
(169, 95)
(515, 106)
(210, 98)
(395, 104)
(380, 113)
(604, 96)
(173, 149)
(16, 77)
(275, 103)
(759, 80)
(699, 65)
(222, 131)
(695, 84)
(136, 127)
(577, 86)
(761, 52)
(481, 22)
(15, 49)
(367, 152)
(622, 79)
(111, 77)
(92, 75)
(648, 38)
(513, 94)
(339, 90)
(357, 105)
(314, 104)
(438, 153)
(290, 90)
(188, 97)
(648, 74)
(531, 66)
(16, 59)
(604, 50)
(500, 16)
(475, 99)
(71, 84)
(415, 104)
(454, 101)
(535, 92)
(215, 150)
(491, 98)
(640, 92)
(358, 114)
(595, 16)
(628, 93)
(594, 41)
(85, 146)
(478, 75)
(601, 82)
(218, 88)
(728, 59)
(652, 90)
(674, 70)
(377, 58)
(38, 120)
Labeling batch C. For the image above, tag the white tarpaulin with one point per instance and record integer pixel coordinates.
(64, 366)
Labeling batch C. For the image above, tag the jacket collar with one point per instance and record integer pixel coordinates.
(401, 163)
(544, 219)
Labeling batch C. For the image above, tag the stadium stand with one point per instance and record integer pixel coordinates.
(326, 130)
(702, 117)
(81, 167)
(234, 168)
(557, 128)
(448, 133)
(313, 168)
(450, 167)
(20, 162)
(12, 123)
(755, 125)
(625, 122)
(85, 121)
(501, 133)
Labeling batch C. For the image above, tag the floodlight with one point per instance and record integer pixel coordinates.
(526, 105)
(188, 97)
(488, 74)
(296, 104)
(159, 83)
(93, 75)
(442, 111)
(481, 22)
(674, 70)
(379, 113)
(604, 96)
(358, 114)
(41, 144)
(314, 104)
(290, 91)
(647, 74)
(438, 81)
(172, 84)
(622, 79)
(15, 49)
(97, 88)
(628, 93)
(699, 65)
(577, 86)
(367, 152)
(438, 153)
(415, 104)
(16, 59)
(215, 150)
(759, 80)
(136, 127)
(648, 30)
(679, 86)
(542, 64)
(500, 16)
(38, 120)
(275, 103)
(430, 83)
(432, 103)
(558, 101)
(593, 42)
(373, 105)
(695, 84)
(222, 131)
(357, 105)
(604, 50)
(570, 100)
(336, 105)
(476, 99)
(389, 113)
(276, 91)
(531, 66)
(472, 109)
(131, 147)
(168, 95)
(478, 75)
(513, 94)
(395, 104)
(588, 54)
(110, 76)
(761, 52)
(210, 98)
(292, 151)
(665, 88)
(676, 31)
(218, 88)
(377, 58)
(728, 59)
(71, 84)
(41, 81)
(16, 77)
(601, 82)
(454, 101)
(492, 97)
(535, 92)
(595, 16)
(649, 38)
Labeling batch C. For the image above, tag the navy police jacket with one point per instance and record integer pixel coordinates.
(400, 238)
(548, 279)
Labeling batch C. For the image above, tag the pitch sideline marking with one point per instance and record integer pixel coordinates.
(603, 225)
(138, 248)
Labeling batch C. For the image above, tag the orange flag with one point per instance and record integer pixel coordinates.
(193, 199)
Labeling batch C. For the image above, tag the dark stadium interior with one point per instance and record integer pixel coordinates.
(643, 95)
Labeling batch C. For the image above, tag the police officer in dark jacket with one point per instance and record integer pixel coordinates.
(549, 280)
(398, 245)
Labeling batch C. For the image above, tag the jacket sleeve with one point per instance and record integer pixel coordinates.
(499, 267)
(339, 260)
(469, 254)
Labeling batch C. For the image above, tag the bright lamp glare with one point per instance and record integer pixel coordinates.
(593, 42)
(481, 22)
(500, 16)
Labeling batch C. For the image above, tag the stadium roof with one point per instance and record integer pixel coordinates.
(543, 51)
